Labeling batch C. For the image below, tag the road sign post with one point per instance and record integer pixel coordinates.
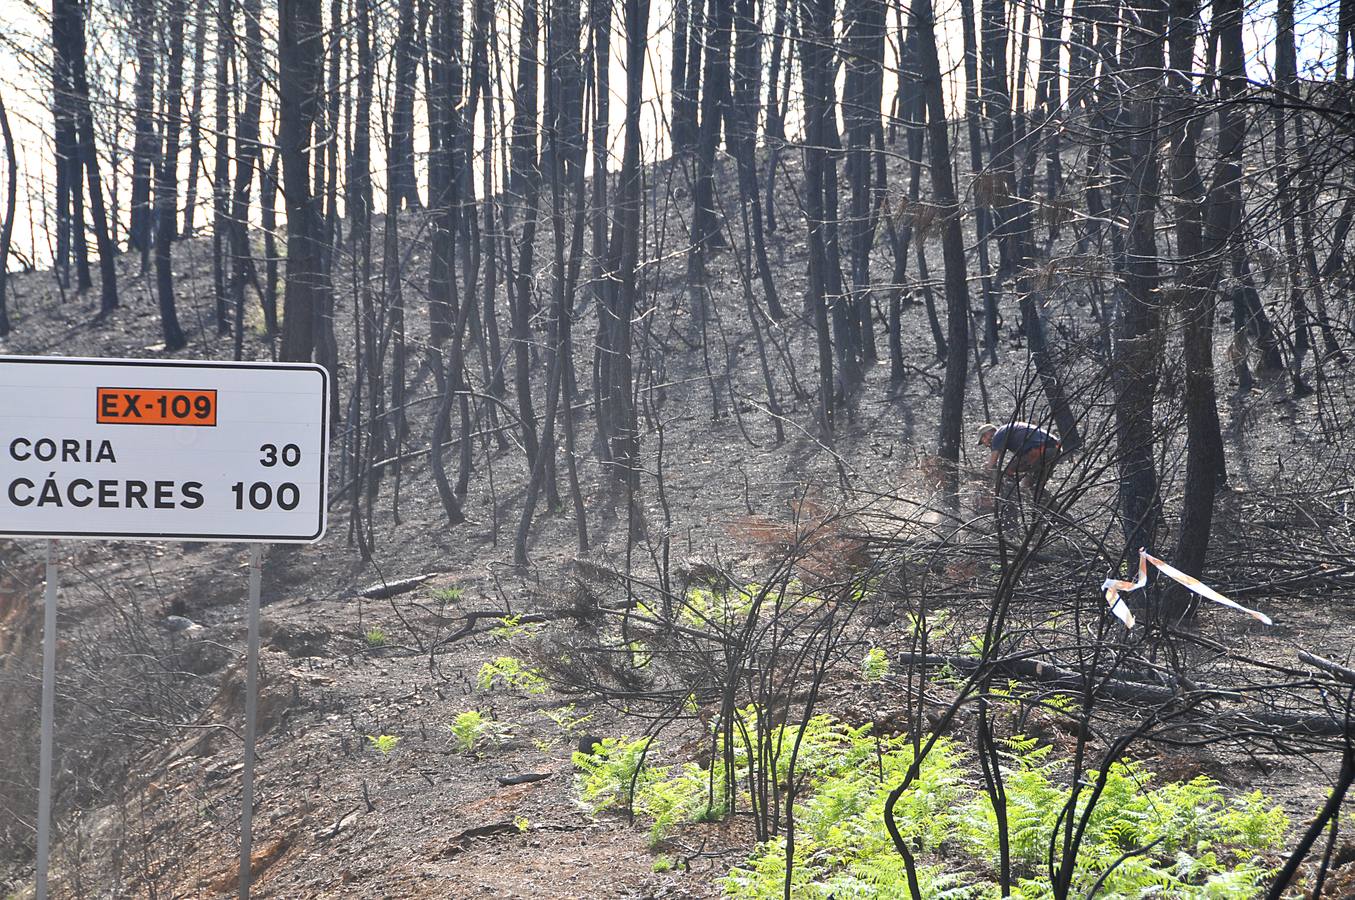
(251, 718)
(155, 451)
(48, 719)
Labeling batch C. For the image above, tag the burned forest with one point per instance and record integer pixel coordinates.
(760, 449)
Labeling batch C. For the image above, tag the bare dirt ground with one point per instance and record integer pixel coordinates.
(337, 818)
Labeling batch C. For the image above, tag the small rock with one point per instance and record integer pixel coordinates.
(221, 770)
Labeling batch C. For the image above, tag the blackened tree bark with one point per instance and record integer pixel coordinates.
(268, 221)
(677, 76)
(195, 117)
(358, 180)
(526, 100)
(445, 164)
(983, 227)
(7, 220)
(913, 114)
(400, 156)
(221, 172)
(1345, 37)
(618, 429)
(706, 233)
(167, 183)
(778, 93)
(564, 89)
(1248, 313)
(144, 142)
(952, 248)
(330, 136)
(1286, 77)
(687, 45)
(818, 55)
(1048, 103)
(300, 55)
(863, 93)
(247, 153)
(820, 195)
(1198, 281)
(326, 191)
(64, 139)
(600, 26)
(1286, 65)
(741, 137)
(89, 159)
(486, 37)
(369, 339)
(1139, 346)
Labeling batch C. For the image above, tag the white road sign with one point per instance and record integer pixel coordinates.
(131, 449)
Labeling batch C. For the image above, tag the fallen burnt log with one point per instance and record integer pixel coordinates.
(387, 589)
(1111, 687)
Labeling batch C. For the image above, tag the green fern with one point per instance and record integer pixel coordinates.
(472, 729)
(1185, 840)
(510, 672)
(875, 665)
(608, 777)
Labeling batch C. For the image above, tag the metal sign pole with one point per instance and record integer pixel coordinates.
(251, 710)
(48, 720)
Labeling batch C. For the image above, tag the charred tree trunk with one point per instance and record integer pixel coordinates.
(400, 162)
(1302, 266)
(331, 137)
(618, 429)
(89, 160)
(952, 247)
(63, 133)
(600, 26)
(863, 93)
(916, 219)
(144, 142)
(1249, 316)
(358, 179)
(444, 181)
(564, 89)
(1198, 280)
(525, 100)
(167, 184)
(268, 220)
(706, 225)
(1286, 76)
(820, 197)
(778, 92)
(1139, 340)
(1048, 103)
(247, 153)
(687, 46)
(982, 223)
(195, 117)
(742, 139)
(300, 55)
(7, 220)
(221, 175)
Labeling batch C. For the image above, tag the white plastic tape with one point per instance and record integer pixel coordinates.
(1114, 587)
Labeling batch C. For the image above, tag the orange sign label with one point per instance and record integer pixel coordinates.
(155, 406)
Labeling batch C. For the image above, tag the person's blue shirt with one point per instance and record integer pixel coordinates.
(1021, 437)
